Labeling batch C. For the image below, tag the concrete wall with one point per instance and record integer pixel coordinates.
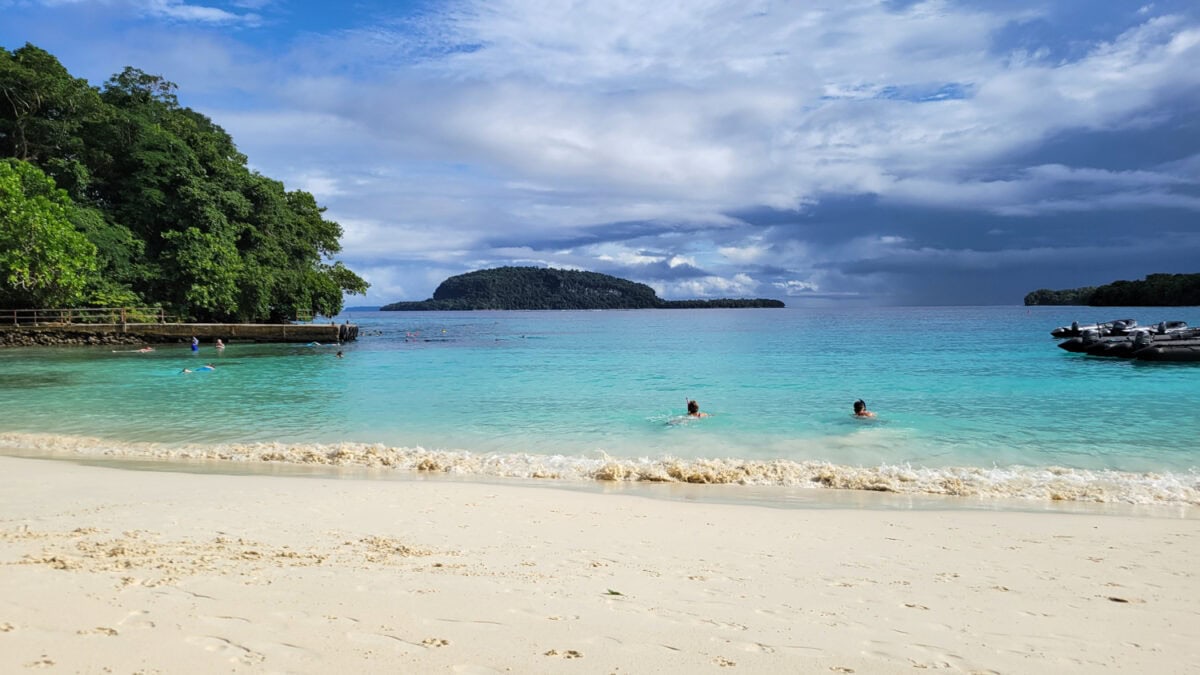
(205, 332)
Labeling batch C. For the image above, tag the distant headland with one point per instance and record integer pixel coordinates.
(1156, 290)
(544, 288)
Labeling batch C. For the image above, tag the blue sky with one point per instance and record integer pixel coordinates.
(853, 150)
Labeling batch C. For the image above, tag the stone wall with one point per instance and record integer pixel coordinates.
(138, 333)
(30, 338)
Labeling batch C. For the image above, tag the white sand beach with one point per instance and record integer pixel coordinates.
(106, 570)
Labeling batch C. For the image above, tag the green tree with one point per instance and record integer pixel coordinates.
(44, 115)
(175, 215)
(44, 260)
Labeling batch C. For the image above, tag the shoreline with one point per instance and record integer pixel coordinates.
(129, 570)
(804, 484)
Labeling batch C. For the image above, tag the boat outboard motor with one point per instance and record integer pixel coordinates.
(1075, 327)
(1143, 340)
(1162, 327)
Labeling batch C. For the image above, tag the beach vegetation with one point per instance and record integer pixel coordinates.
(173, 214)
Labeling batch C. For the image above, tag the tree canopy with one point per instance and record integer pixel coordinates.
(543, 288)
(1156, 290)
(173, 215)
(44, 260)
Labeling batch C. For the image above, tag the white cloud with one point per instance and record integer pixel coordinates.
(487, 131)
(178, 10)
(794, 287)
(739, 285)
(743, 254)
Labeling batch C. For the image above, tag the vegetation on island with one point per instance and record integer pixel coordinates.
(1069, 296)
(544, 288)
(119, 196)
(1156, 290)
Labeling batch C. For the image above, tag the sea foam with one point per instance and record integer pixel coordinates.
(1033, 483)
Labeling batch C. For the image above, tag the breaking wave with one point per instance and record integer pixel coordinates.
(1034, 483)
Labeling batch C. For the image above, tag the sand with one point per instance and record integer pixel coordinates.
(108, 570)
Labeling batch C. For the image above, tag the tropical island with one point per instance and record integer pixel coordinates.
(118, 197)
(511, 288)
(1156, 290)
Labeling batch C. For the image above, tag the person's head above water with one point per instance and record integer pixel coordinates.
(860, 409)
(693, 407)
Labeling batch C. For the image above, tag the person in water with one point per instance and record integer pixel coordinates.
(339, 354)
(220, 345)
(860, 409)
(195, 344)
(694, 409)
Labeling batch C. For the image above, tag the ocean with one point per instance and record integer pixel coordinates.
(974, 402)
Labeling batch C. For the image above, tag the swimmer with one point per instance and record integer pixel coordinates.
(195, 344)
(694, 409)
(860, 409)
(339, 354)
(220, 345)
(146, 349)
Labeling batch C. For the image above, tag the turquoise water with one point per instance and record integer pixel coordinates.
(969, 400)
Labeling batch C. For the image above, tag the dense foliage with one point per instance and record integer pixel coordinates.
(44, 260)
(162, 197)
(1070, 296)
(542, 288)
(1156, 290)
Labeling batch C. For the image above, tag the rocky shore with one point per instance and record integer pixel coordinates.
(16, 337)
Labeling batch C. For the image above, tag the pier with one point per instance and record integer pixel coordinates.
(87, 325)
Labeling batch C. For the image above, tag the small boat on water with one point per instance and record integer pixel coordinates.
(1169, 340)
(1114, 327)
(1181, 346)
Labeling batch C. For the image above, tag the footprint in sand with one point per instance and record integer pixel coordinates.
(435, 642)
(225, 620)
(473, 669)
(44, 662)
(136, 619)
(99, 630)
(383, 640)
(232, 651)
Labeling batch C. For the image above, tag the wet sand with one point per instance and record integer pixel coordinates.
(109, 570)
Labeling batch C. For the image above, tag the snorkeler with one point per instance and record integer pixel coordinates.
(860, 409)
(694, 409)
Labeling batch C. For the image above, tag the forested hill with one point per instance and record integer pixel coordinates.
(120, 196)
(541, 288)
(1156, 290)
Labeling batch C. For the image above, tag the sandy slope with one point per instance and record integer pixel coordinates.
(106, 570)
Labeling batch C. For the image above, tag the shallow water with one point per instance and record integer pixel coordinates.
(970, 401)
